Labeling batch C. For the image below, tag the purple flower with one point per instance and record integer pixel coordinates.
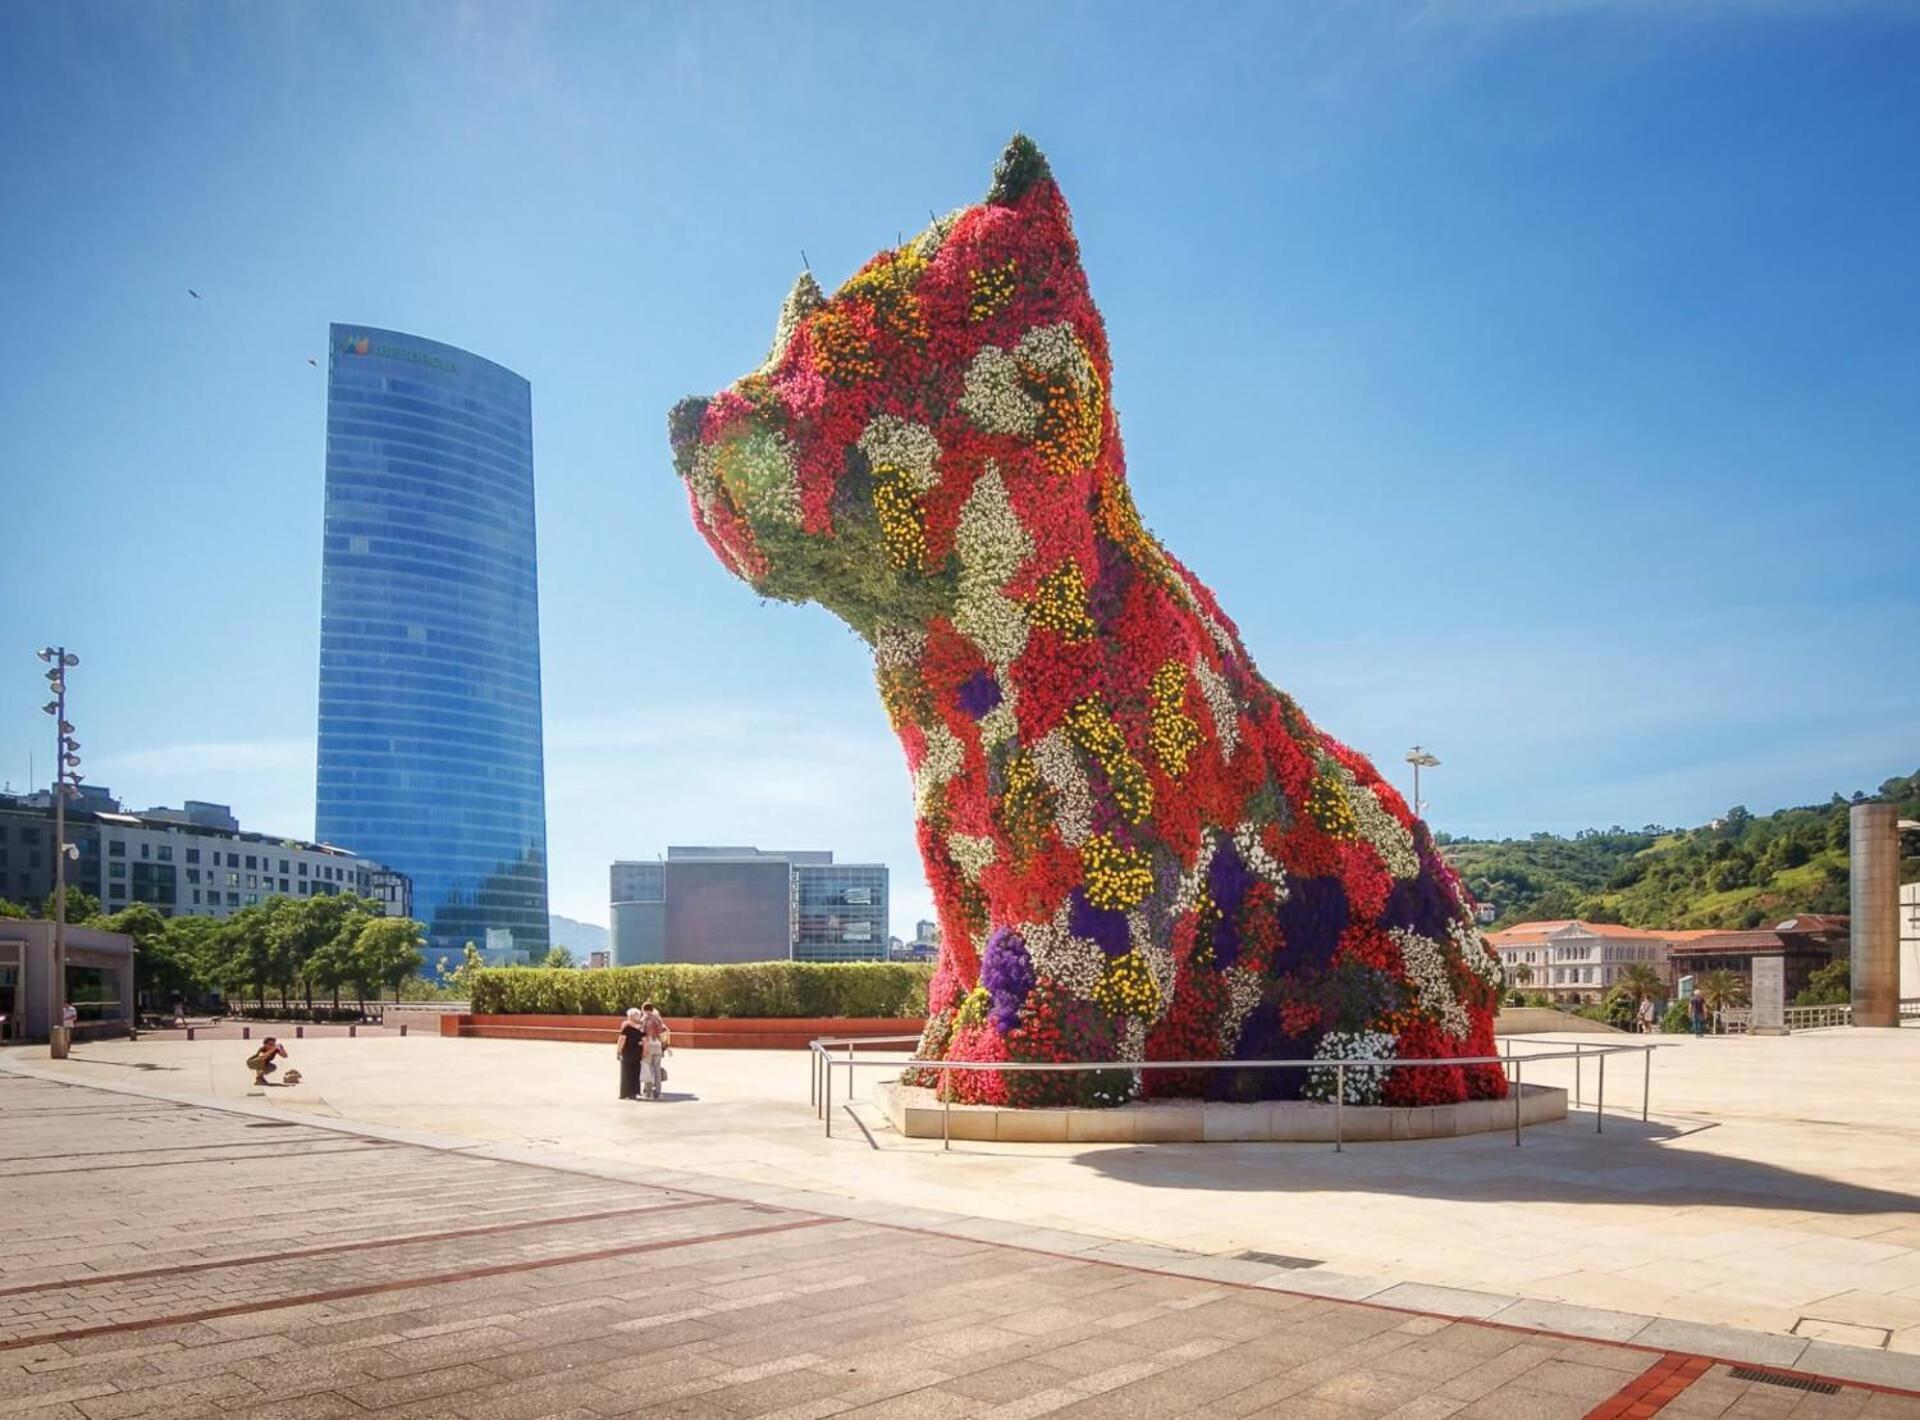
(1007, 972)
(1311, 919)
(979, 693)
(1104, 925)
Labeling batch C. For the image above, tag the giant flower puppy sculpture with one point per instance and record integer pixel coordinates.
(1139, 848)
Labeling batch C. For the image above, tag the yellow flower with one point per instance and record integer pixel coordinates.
(1118, 878)
(990, 288)
(1094, 730)
(1060, 602)
(1128, 988)
(1172, 733)
(898, 512)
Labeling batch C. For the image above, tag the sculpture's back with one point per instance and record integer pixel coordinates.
(1139, 849)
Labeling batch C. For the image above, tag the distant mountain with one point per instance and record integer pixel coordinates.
(579, 938)
(1738, 871)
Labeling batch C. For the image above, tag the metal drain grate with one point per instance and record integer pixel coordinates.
(1748, 1373)
(272, 1124)
(1280, 1259)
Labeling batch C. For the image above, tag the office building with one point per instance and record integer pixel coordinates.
(734, 904)
(182, 862)
(1573, 962)
(430, 755)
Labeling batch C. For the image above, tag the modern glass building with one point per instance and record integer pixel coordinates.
(430, 743)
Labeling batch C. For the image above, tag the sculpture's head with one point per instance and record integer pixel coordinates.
(840, 470)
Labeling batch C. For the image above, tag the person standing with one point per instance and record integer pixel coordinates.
(653, 1027)
(1697, 1011)
(1646, 1015)
(630, 1050)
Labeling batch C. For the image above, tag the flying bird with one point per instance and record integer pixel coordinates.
(313, 362)
(193, 293)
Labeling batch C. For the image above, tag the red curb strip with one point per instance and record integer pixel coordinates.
(1649, 1392)
(372, 1288)
(406, 1240)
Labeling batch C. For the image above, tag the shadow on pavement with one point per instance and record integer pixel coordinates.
(1558, 1163)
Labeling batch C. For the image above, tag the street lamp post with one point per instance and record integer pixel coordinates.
(1419, 759)
(66, 784)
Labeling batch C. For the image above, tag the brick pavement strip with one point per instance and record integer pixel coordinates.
(311, 1284)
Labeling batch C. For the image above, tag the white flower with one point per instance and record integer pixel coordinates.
(992, 545)
(1076, 963)
(802, 301)
(1220, 704)
(994, 399)
(898, 648)
(928, 243)
(1246, 839)
(1000, 724)
(1476, 953)
(945, 754)
(971, 852)
(1426, 963)
(1363, 1082)
(1186, 894)
(1056, 350)
(757, 470)
(1381, 829)
(893, 442)
(1060, 768)
(1243, 994)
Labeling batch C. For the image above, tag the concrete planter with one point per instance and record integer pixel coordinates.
(916, 1113)
(689, 1032)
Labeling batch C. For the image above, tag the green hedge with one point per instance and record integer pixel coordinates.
(773, 988)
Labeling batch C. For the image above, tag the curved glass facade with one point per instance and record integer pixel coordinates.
(430, 745)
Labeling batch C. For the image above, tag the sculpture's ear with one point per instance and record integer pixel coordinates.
(1020, 169)
(802, 301)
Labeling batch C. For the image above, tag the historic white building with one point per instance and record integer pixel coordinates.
(1575, 961)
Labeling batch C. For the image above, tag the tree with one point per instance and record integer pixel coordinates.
(1639, 982)
(11, 909)
(157, 971)
(1723, 989)
(558, 959)
(387, 951)
(1831, 985)
(1522, 975)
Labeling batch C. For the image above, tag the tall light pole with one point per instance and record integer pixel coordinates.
(66, 784)
(1419, 759)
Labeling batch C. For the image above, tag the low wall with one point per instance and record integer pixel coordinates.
(918, 1114)
(1532, 1020)
(699, 1033)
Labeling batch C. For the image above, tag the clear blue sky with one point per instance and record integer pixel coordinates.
(1538, 382)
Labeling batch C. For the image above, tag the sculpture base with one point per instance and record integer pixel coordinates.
(917, 1113)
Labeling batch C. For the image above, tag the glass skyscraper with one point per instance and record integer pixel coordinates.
(430, 748)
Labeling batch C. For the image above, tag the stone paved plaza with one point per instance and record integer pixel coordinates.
(1763, 1215)
(170, 1259)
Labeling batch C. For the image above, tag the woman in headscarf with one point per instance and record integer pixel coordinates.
(632, 1042)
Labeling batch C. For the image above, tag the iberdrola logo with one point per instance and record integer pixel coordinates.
(360, 346)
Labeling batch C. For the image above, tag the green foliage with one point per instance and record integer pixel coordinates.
(1674, 1020)
(1743, 871)
(775, 989)
(1831, 985)
(558, 959)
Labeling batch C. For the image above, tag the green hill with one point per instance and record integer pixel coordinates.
(1739, 871)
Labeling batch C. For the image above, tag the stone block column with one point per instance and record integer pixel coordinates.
(1874, 833)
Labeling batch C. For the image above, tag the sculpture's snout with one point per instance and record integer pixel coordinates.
(683, 429)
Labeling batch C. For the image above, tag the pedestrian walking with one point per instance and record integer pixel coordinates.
(1697, 1011)
(1646, 1015)
(630, 1049)
(655, 1040)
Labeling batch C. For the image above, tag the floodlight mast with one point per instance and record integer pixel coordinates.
(66, 784)
(1419, 759)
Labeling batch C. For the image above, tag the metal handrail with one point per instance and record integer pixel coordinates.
(823, 1062)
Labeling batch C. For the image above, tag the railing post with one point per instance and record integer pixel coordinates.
(1600, 1098)
(1339, 1105)
(1646, 1080)
(1517, 1092)
(1576, 1074)
(827, 1112)
(946, 1109)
